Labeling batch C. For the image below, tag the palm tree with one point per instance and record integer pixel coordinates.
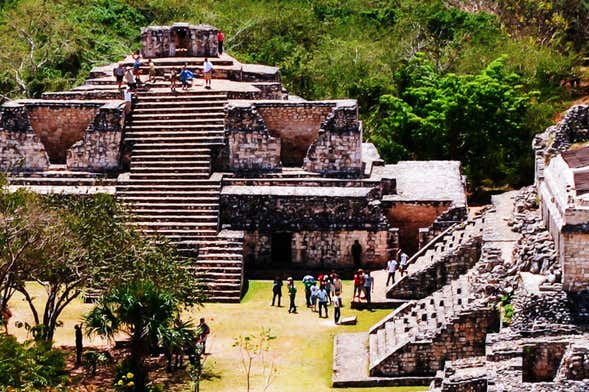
(143, 312)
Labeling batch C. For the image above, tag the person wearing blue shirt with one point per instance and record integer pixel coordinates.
(321, 295)
(184, 76)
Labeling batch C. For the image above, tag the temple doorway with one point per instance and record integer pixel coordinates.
(181, 39)
(281, 248)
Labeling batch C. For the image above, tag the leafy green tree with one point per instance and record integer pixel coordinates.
(478, 119)
(142, 311)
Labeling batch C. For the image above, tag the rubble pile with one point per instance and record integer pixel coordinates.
(538, 311)
(535, 251)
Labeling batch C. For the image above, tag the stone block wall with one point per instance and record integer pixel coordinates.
(575, 364)
(250, 147)
(60, 126)
(21, 148)
(450, 217)
(275, 213)
(337, 151)
(85, 135)
(574, 257)
(100, 148)
(323, 137)
(324, 249)
(409, 217)
(449, 266)
(163, 41)
(297, 126)
(464, 337)
(541, 360)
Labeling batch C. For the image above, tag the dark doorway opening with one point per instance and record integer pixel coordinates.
(181, 41)
(281, 248)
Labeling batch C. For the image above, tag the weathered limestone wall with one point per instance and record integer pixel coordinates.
(574, 258)
(541, 360)
(323, 137)
(451, 265)
(167, 41)
(324, 249)
(337, 151)
(21, 148)
(85, 135)
(409, 217)
(250, 147)
(251, 209)
(100, 148)
(297, 126)
(575, 364)
(463, 338)
(60, 126)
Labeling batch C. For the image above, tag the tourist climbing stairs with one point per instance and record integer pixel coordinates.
(170, 190)
(418, 337)
(446, 257)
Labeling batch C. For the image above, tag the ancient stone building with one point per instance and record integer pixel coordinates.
(243, 177)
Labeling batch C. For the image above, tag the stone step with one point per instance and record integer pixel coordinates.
(196, 134)
(171, 116)
(157, 213)
(200, 167)
(68, 181)
(139, 112)
(202, 174)
(172, 105)
(169, 147)
(169, 187)
(171, 182)
(168, 165)
(212, 275)
(178, 154)
(139, 159)
(175, 207)
(177, 123)
(181, 97)
(158, 200)
(175, 141)
(186, 218)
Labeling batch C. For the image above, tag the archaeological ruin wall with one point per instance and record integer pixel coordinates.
(82, 135)
(180, 39)
(321, 137)
(308, 226)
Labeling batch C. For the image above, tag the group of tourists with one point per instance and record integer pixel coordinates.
(320, 292)
(131, 76)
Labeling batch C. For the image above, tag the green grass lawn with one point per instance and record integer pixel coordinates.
(302, 350)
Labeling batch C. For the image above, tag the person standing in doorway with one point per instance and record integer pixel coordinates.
(207, 68)
(277, 289)
(368, 286)
(337, 304)
(391, 269)
(220, 40)
(403, 259)
(292, 293)
(356, 254)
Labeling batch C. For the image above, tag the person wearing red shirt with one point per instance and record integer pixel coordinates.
(358, 284)
(220, 39)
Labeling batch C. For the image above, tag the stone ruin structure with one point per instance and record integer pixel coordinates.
(525, 255)
(245, 178)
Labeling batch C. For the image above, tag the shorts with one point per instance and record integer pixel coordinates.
(119, 78)
(208, 75)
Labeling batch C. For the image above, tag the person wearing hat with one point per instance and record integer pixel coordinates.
(292, 293)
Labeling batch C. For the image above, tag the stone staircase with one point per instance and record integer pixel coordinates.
(420, 336)
(446, 257)
(170, 190)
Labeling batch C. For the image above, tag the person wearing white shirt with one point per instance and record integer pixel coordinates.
(208, 72)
